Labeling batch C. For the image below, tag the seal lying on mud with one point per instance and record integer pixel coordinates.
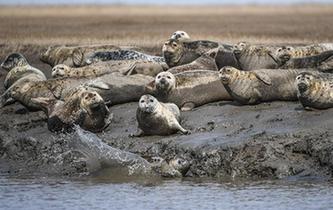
(156, 118)
(178, 53)
(188, 89)
(180, 35)
(82, 107)
(126, 67)
(121, 55)
(253, 87)
(320, 62)
(74, 56)
(18, 67)
(204, 62)
(315, 90)
(114, 87)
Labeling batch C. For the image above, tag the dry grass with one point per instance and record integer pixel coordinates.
(150, 26)
(30, 29)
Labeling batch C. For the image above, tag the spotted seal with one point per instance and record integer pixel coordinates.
(178, 53)
(315, 90)
(125, 67)
(253, 87)
(180, 35)
(156, 118)
(121, 55)
(205, 62)
(113, 87)
(17, 66)
(188, 89)
(74, 56)
(81, 107)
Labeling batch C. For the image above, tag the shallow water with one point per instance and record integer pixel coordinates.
(106, 193)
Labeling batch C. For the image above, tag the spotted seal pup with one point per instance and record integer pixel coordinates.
(121, 55)
(17, 66)
(253, 87)
(156, 118)
(180, 35)
(188, 89)
(178, 53)
(125, 67)
(74, 56)
(81, 107)
(315, 90)
(205, 62)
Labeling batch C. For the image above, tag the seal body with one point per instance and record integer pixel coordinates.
(17, 66)
(315, 90)
(156, 118)
(125, 67)
(188, 89)
(253, 87)
(204, 62)
(73, 56)
(121, 55)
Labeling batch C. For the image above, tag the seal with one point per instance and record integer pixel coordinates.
(115, 88)
(18, 67)
(156, 118)
(205, 62)
(74, 56)
(256, 86)
(321, 62)
(180, 35)
(121, 55)
(315, 90)
(178, 53)
(125, 67)
(82, 107)
(188, 89)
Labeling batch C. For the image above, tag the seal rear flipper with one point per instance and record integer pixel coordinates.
(150, 87)
(130, 70)
(77, 57)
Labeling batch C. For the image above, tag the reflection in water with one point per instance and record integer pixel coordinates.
(99, 192)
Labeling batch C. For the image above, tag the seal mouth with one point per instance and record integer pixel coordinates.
(237, 52)
(302, 87)
(225, 80)
(285, 57)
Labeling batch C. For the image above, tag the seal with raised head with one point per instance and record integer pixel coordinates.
(321, 62)
(121, 55)
(81, 107)
(74, 56)
(18, 67)
(188, 89)
(178, 53)
(181, 36)
(125, 67)
(315, 90)
(253, 87)
(156, 118)
(204, 62)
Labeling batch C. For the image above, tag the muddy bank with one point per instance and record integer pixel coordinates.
(270, 140)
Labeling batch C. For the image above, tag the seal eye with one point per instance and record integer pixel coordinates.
(298, 77)
(182, 34)
(151, 100)
(289, 48)
(279, 50)
(142, 101)
(168, 77)
(174, 45)
(158, 77)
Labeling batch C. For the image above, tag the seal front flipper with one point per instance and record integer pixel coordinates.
(98, 84)
(188, 106)
(177, 126)
(138, 133)
(263, 77)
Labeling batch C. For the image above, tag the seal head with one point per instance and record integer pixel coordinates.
(172, 52)
(165, 82)
(180, 35)
(59, 70)
(14, 60)
(228, 74)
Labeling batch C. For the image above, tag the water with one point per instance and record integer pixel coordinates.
(103, 193)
